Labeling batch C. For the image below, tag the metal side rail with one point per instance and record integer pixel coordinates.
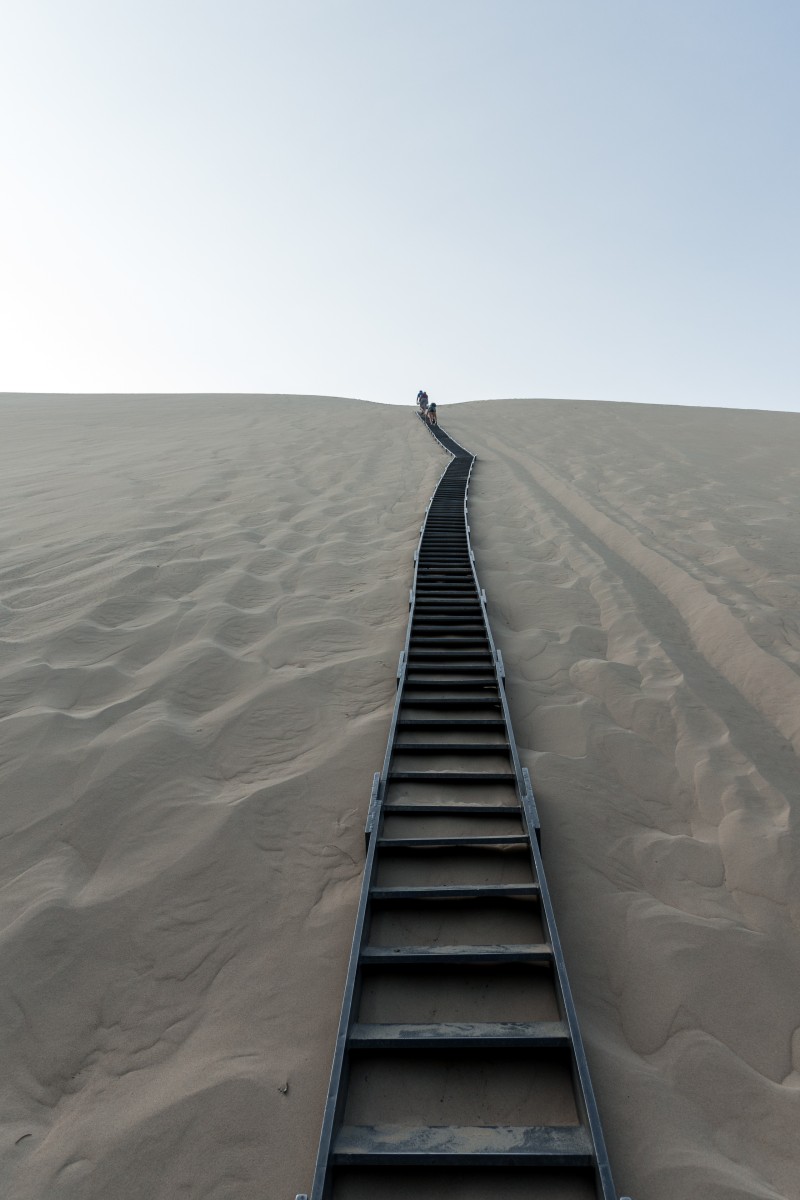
(459, 1069)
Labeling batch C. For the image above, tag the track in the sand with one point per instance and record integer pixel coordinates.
(459, 1070)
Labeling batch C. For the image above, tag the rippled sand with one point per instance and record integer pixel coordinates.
(202, 602)
(643, 569)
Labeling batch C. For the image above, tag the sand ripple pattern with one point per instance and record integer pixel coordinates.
(202, 601)
(643, 570)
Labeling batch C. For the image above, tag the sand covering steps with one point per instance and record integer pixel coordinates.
(459, 1068)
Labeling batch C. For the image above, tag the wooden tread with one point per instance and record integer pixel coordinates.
(463, 1145)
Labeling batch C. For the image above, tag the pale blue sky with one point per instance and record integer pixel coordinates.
(587, 198)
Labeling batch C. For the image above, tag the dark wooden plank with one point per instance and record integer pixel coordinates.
(445, 685)
(455, 891)
(473, 1035)
(452, 776)
(459, 1145)
(455, 955)
(458, 723)
(491, 698)
(470, 839)
(466, 748)
(453, 810)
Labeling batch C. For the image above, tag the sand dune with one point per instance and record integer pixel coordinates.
(643, 569)
(203, 606)
(202, 601)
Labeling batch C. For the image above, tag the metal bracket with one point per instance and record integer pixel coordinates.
(529, 810)
(501, 667)
(410, 597)
(401, 665)
(483, 595)
(373, 804)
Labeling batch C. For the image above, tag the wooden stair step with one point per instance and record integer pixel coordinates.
(453, 843)
(460, 1145)
(463, 956)
(455, 891)
(473, 1035)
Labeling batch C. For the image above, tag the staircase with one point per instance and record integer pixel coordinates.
(459, 1070)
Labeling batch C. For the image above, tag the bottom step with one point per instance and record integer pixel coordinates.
(463, 1145)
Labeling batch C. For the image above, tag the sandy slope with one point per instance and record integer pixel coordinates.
(643, 566)
(202, 602)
